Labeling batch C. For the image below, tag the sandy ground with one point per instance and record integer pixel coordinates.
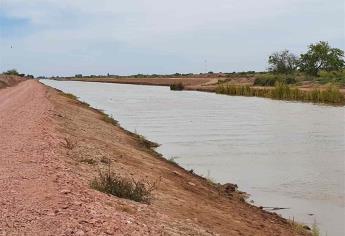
(44, 183)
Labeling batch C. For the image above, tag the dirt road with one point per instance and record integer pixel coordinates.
(44, 183)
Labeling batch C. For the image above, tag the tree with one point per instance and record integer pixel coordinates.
(283, 62)
(321, 56)
(11, 72)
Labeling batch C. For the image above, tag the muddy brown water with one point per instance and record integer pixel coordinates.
(285, 154)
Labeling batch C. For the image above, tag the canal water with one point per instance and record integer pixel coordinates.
(285, 154)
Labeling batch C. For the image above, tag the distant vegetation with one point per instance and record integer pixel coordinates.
(272, 79)
(282, 91)
(321, 64)
(16, 73)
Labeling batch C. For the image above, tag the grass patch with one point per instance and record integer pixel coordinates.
(144, 142)
(177, 87)
(89, 161)
(105, 160)
(172, 160)
(282, 91)
(334, 77)
(110, 183)
(298, 228)
(315, 231)
(209, 178)
(109, 119)
(272, 79)
(69, 95)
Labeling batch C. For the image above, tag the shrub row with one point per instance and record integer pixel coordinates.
(282, 91)
(272, 79)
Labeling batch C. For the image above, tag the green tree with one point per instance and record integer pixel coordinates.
(283, 62)
(321, 56)
(11, 72)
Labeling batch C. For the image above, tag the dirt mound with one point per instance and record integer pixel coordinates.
(10, 80)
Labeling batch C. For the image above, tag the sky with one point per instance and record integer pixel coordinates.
(65, 37)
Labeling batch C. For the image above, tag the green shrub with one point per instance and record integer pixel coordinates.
(272, 79)
(12, 72)
(115, 185)
(282, 91)
(334, 77)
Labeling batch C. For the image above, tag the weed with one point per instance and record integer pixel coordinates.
(110, 183)
(89, 161)
(105, 160)
(210, 179)
(146, 143)
(297, 227)
(172, 160)
(69, 95)
(69, 143)
(315, 230)
(109, 119)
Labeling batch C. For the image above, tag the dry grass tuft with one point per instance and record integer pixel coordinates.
(110, 183)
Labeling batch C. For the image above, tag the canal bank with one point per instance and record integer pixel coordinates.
(285, 154)
(47, 142)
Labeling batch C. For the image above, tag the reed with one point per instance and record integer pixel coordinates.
(282, 91)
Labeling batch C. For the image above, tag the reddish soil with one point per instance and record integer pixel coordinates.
(9, 80)
(44, 183)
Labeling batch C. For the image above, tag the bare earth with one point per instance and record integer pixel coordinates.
(44, 183)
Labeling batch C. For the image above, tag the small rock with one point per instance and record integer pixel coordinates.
(65, 191)
(306, 227)
(191, 183)
(177, 173)
(77, 203)
(79, 233)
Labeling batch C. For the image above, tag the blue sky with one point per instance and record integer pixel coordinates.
(63, 37)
